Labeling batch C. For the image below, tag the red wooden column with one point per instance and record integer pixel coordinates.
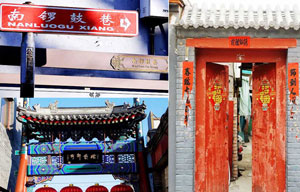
(21, 179)
(200, 160)
(281, 121)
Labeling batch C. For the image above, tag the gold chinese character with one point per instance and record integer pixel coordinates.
(78, 155)
(93, 156)
(85, 157)
(134, 61)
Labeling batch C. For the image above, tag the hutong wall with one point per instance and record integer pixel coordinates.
(10, 141)
(185, 136)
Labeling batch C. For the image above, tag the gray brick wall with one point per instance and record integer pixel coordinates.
(5, 160)
(293, 131)
(10, 141)
(185, 135)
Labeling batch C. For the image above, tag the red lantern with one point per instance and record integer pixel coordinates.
(71, 188)
(121, 188)
(97, 188)
(46, 189)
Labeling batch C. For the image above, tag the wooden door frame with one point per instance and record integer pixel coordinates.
(217, 50)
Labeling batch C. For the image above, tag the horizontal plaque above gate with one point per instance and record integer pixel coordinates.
(82, 156)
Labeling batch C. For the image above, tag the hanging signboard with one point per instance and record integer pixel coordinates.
(34, 18)
(293, 80)
(144, 63)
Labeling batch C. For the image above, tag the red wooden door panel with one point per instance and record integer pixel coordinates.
(264, 160)
(216, 128)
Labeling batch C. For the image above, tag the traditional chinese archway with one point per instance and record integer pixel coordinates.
(58, 148)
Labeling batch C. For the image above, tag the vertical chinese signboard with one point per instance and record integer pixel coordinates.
(35, 18)
(187, 86)
(293, 81)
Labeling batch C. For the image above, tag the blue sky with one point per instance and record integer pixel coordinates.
(157, 105)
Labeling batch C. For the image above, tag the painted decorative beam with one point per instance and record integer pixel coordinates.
(72, 169)
(53, 149)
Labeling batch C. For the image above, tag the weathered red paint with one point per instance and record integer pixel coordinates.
(202, 177)
(264, 130)
(256, 43)
(268, 163)
(216, 131)
(211, 172)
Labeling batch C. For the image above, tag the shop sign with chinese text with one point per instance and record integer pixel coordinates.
(145, 63)
(34, 18)
(293, 80)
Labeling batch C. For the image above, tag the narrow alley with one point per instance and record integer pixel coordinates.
(244, 182)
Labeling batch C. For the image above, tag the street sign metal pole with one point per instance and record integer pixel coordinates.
(27, 65)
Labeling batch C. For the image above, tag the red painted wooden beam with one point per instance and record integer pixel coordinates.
(255, 43)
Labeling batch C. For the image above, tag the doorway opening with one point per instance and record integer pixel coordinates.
(241, 101)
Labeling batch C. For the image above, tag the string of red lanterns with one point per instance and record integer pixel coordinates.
(94, 188)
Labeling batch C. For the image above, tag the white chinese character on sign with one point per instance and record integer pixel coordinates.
(47, 16)
(15, 15)
(76, 18)
(106, 19)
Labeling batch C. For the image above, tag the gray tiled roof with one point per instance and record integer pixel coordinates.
(241, 16)
(86, 114)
